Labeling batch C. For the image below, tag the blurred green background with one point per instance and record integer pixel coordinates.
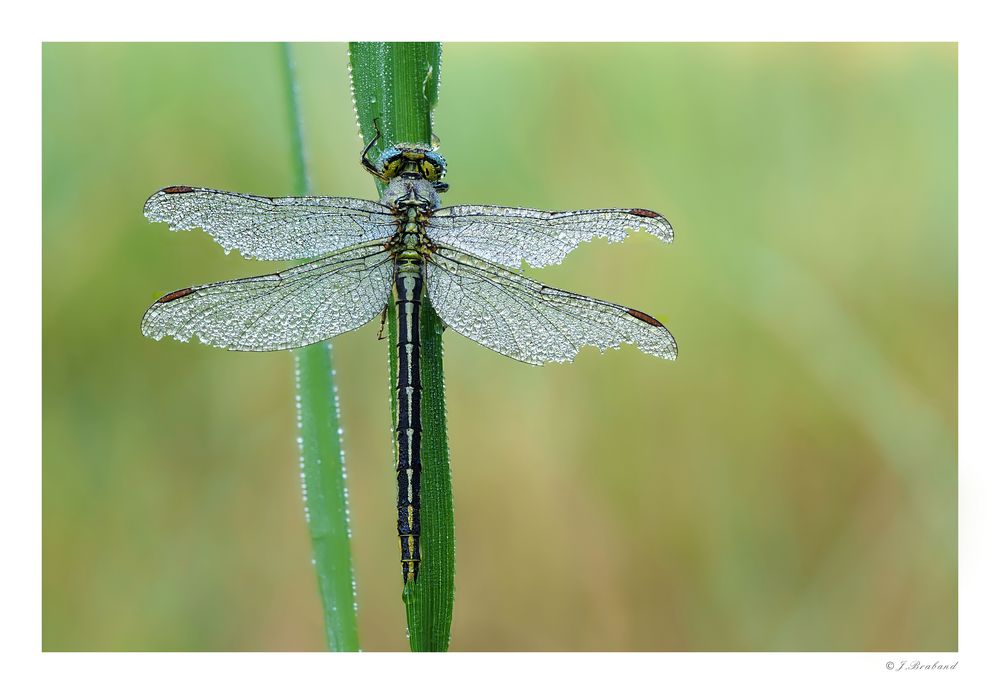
(790, 483)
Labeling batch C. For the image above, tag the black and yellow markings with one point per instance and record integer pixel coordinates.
(408, 287)
(414, 161)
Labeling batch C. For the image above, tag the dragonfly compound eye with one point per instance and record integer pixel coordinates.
(434, 166)
(389, 162)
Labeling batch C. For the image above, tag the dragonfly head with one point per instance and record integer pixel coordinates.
(413, 162)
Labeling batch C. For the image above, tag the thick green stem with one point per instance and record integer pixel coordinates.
(397, 83)
(323, 476)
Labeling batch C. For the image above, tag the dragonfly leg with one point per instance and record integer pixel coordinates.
(381, 327)
(366, 162)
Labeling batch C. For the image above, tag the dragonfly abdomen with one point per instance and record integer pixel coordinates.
(407, 292)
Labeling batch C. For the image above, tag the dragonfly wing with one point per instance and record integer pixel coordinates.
(528, 321)
(272, 228)
(509, 235)
(288, 309)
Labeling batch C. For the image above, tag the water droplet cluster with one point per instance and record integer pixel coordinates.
(511, 235)
(272, 228)
(293, 308)
(528, 321)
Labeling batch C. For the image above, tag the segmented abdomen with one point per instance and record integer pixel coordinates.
(408, 289)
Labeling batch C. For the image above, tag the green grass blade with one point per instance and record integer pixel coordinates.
(398, 84)
(323, 476)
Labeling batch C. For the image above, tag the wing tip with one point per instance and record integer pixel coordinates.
(667, 228)
(671, 353)
(149, 208)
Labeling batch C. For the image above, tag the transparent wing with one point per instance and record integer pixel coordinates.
(531, 322)
(272, 228)
(508, 235)
(289, 309)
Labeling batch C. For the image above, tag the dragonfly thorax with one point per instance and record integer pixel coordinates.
(406, 191)
(410, 244)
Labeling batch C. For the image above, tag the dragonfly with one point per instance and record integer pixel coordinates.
(362, 254)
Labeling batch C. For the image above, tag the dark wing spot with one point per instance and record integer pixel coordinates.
(173, 190)
(174, 295)
(644, 317)
(639, 212)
